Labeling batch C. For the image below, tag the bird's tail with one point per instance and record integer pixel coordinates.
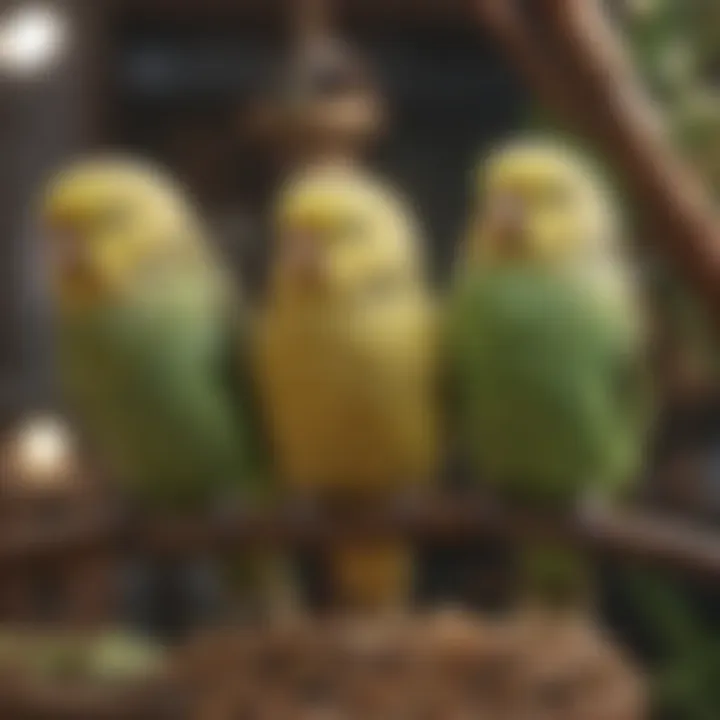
(373, 576)
(555, 574)
(263, 584)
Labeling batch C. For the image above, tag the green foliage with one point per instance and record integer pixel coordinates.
(677, 48)
(688, 666)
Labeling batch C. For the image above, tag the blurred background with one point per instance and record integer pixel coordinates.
(177, 79)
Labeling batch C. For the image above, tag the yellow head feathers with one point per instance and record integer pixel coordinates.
(542, 203)
(339, 233)
(107, 220)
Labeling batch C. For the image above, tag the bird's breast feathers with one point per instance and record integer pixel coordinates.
(349, 396)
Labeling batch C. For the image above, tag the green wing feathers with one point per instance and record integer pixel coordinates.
(151, 377)
(547, 372)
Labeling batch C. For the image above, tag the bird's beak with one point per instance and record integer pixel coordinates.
(302, 259)
(71, 262)
(506, 226)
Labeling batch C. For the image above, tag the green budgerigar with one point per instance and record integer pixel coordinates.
(547, 340)
(148, 336)
(150, 340)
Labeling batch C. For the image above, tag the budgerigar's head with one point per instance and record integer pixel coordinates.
(340, 234)
(541, 204)
(110, 222)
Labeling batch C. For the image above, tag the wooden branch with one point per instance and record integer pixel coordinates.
(59, 540)
(626, 534)
(670, 192)
(601, 85)
(27, 702)
(506, 22)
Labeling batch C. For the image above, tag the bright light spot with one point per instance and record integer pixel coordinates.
(43, 450)
(31, 39)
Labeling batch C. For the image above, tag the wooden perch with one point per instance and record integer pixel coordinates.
(626, 534)
(569, 52)
(67, 703)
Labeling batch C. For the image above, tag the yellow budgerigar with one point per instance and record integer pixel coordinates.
(346, 361)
